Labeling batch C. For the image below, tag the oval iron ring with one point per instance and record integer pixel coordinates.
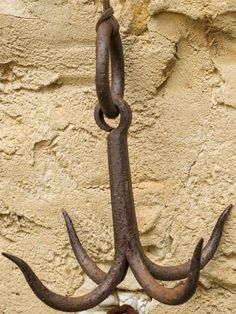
(109, 45)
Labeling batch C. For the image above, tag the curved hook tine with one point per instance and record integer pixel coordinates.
(88, 266)
(175, 296)
(181, 271)
(73, 304)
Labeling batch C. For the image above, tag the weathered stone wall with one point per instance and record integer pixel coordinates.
(180, 73)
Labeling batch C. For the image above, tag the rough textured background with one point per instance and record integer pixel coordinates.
(181, 69)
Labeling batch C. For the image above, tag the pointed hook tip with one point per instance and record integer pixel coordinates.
(225, 214)
(5, 254)
(64, 212)
(10, 257)
(228, 209)
(68, 220)
(66, 216)
(198, 249)
(200, 244)
(196, 260)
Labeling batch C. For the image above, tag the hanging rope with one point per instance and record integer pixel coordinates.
(106, 4)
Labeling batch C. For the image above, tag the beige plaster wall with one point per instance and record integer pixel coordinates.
(180, 72)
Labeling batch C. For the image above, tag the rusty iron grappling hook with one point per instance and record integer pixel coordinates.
(128, 248)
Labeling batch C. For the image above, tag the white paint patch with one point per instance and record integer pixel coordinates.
(138, 300)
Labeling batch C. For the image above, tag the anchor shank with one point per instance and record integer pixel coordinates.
(124, 218)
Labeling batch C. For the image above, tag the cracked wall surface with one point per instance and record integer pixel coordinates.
(180, 61)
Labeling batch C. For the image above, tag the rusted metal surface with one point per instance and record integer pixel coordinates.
(164, 273)
(128, 248)
(115, 275)
(124, 218)
(109, 43)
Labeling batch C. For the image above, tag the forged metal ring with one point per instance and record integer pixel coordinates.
(125, 117)
(109, 44)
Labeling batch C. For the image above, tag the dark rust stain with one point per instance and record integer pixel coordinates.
(123, 309)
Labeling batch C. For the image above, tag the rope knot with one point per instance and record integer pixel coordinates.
(108, 15)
